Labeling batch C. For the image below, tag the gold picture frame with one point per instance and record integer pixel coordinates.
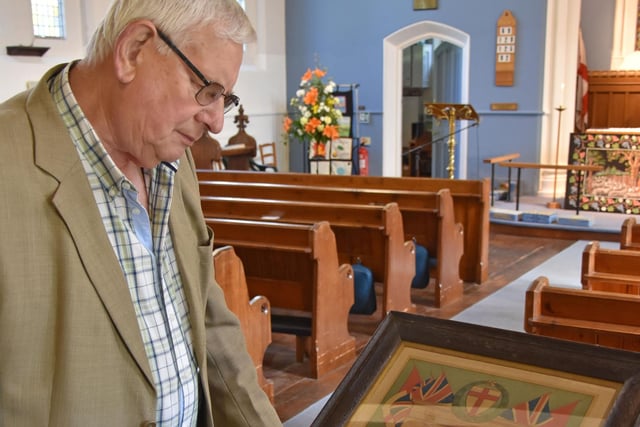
(417, 370)
(425, 4)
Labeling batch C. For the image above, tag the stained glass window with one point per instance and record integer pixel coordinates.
(48, 18)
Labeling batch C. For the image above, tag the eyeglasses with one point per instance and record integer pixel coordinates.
(210, 91)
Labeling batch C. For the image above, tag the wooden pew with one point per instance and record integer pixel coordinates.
(428, 218)
(596, 317)
(630, 234)
(611, 270)
(372, 234)
(296, 268)
(254, 313)
(470, 201)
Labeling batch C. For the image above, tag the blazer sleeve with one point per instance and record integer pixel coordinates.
(236, 396)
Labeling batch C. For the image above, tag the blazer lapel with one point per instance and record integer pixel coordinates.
(56, 154)
(188, 258)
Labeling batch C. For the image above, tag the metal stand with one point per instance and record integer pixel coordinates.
(554, 204)
(452, 112)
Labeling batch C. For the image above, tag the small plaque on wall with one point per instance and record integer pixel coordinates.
(425, 4)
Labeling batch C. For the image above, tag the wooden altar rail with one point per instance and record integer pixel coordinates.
(371, 234)
(610, 270)
(470, 204)
(296, 268)
(427, 217)
(254, 313)
(630, 234)
(524, 165)
(492, 161)
(602, 318)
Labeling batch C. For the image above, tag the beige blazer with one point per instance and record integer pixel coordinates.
(71, 353)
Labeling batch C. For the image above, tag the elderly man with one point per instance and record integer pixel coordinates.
(109, 312)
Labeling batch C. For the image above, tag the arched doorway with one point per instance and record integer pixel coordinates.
(393, 46)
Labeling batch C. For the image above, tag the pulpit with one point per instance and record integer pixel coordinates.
(241, 148)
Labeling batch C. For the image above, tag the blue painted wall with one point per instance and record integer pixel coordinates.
(346, 38)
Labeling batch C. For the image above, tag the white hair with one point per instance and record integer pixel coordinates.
(177, 18)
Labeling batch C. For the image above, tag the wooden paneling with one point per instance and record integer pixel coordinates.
(614, 99)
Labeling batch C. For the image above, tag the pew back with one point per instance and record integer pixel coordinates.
(371, 234)
(428, 217)
(470, 197)
(602, 318)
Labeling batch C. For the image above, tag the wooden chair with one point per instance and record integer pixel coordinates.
(268, 155)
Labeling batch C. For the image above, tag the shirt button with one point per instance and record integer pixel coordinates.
(136, 211)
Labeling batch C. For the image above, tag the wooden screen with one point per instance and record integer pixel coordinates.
(614, 99)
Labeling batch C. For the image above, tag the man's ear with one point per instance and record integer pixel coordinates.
(128, 50)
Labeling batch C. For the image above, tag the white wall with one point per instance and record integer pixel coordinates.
(261, 84)
(16, 29)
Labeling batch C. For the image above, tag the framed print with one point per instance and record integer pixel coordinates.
(341, 103)
(422, 371)
(340, 148)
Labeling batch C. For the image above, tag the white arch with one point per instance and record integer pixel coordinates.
(393, 45)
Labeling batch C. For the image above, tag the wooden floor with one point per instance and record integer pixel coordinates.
(510, 257)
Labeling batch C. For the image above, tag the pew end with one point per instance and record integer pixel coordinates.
(630, 234)
(610, 270)
(254, 314)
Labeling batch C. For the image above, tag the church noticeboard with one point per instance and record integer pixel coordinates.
(418, 370)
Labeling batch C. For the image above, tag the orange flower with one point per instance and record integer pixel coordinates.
(331, 132)
(319, 73)
(307, 75)
(287, 124)
(312, 96)
(312, 124)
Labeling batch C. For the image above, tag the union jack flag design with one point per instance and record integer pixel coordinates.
(537, 412)
(415, 391)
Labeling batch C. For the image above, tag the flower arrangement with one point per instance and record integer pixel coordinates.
(315, 117)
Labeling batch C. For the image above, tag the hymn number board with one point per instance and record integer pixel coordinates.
(505, 49)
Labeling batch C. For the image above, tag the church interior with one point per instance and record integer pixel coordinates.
(481, 146)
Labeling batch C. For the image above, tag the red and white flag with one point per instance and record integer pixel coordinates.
(582, 88)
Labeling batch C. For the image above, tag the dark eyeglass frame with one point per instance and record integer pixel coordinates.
(204, 96)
